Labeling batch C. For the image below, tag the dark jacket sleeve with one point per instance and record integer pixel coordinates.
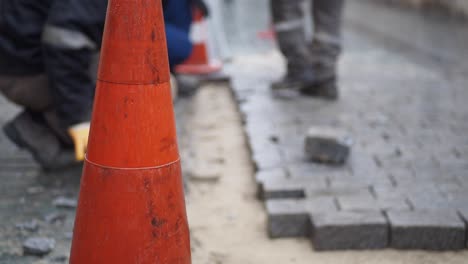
(72, 34)
(21, 23)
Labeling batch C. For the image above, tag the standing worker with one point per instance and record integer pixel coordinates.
(311, 67)
(46, 58)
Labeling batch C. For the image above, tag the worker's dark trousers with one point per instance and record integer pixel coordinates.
(289, 24)
(32, 91)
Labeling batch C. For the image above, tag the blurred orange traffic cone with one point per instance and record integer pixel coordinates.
(268, 34)
(199, 62)
(131, 207)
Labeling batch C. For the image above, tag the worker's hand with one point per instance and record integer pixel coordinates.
(201, 5)
(79, 134)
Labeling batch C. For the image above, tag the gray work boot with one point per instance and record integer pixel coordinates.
(313, 81)
(326, 89)
(28, 131)
(324, 85)
(286, 88)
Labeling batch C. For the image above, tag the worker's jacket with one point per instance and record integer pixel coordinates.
(56, 37)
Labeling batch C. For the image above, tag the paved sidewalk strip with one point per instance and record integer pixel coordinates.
(408, 160)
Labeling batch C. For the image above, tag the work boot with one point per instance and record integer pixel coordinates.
(313, 81)
(287, 88)
(323, 84)
(326, 89)
(28, 131)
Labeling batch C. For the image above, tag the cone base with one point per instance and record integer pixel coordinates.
(131, 216)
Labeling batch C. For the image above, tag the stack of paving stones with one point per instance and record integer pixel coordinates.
(405, 185)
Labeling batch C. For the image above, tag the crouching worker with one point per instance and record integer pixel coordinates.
(47, 62)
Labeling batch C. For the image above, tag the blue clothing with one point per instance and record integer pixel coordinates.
(178, 18)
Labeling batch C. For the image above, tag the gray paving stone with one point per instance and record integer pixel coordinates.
(293, 150)
(274, 184)
(59, 259)
(366, 202)
(307, 169)
(335, 192)
(434, 202)
(327, 145)
(38, 246)
(268, 159)
(54, 217)
(363, 165)
(429, 230)
(268, 175)
(276, 189)
(349, 230)
(464, 215)
(361, 182)
(31, 226)
(359, 202)
(287, 218)
(65, 202)
(276, 173)
(290, 218)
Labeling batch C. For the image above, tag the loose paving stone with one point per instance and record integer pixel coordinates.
(429, 230)
(327, 145)
(55, 217)
(349, 230)
(59, 259)
(35, 190)
(64, 202)
(38, 246)
(31, 226)
(290, 218)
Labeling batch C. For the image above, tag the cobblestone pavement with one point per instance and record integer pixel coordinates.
(406, 183)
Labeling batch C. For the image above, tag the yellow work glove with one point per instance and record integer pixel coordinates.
(79, 134)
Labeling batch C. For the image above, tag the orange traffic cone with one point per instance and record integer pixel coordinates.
(199, 62)
(268, 34)
(131, 207)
